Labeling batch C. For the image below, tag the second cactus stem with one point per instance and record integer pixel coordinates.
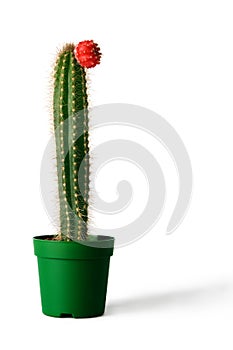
(71, 134)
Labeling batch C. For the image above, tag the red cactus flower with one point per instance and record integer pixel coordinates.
(87, 53)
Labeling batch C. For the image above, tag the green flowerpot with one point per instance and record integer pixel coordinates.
(73, 276)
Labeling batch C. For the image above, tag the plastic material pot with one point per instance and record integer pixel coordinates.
(73, 276)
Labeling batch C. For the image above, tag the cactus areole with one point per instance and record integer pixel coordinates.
(73, 266)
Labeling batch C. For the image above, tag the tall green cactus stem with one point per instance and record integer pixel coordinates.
(71, 135)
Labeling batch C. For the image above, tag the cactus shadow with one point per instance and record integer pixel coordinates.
(171, 298)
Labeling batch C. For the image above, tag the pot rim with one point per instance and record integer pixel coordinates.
(101, 247)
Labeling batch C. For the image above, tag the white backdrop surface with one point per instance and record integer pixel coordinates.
(174, 57)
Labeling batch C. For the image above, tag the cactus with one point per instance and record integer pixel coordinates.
(70, 117)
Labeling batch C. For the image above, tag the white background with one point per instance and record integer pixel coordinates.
(176, 58)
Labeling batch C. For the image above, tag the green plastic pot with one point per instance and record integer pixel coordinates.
(73, 276)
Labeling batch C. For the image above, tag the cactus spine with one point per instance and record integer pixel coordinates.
(70, 118)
